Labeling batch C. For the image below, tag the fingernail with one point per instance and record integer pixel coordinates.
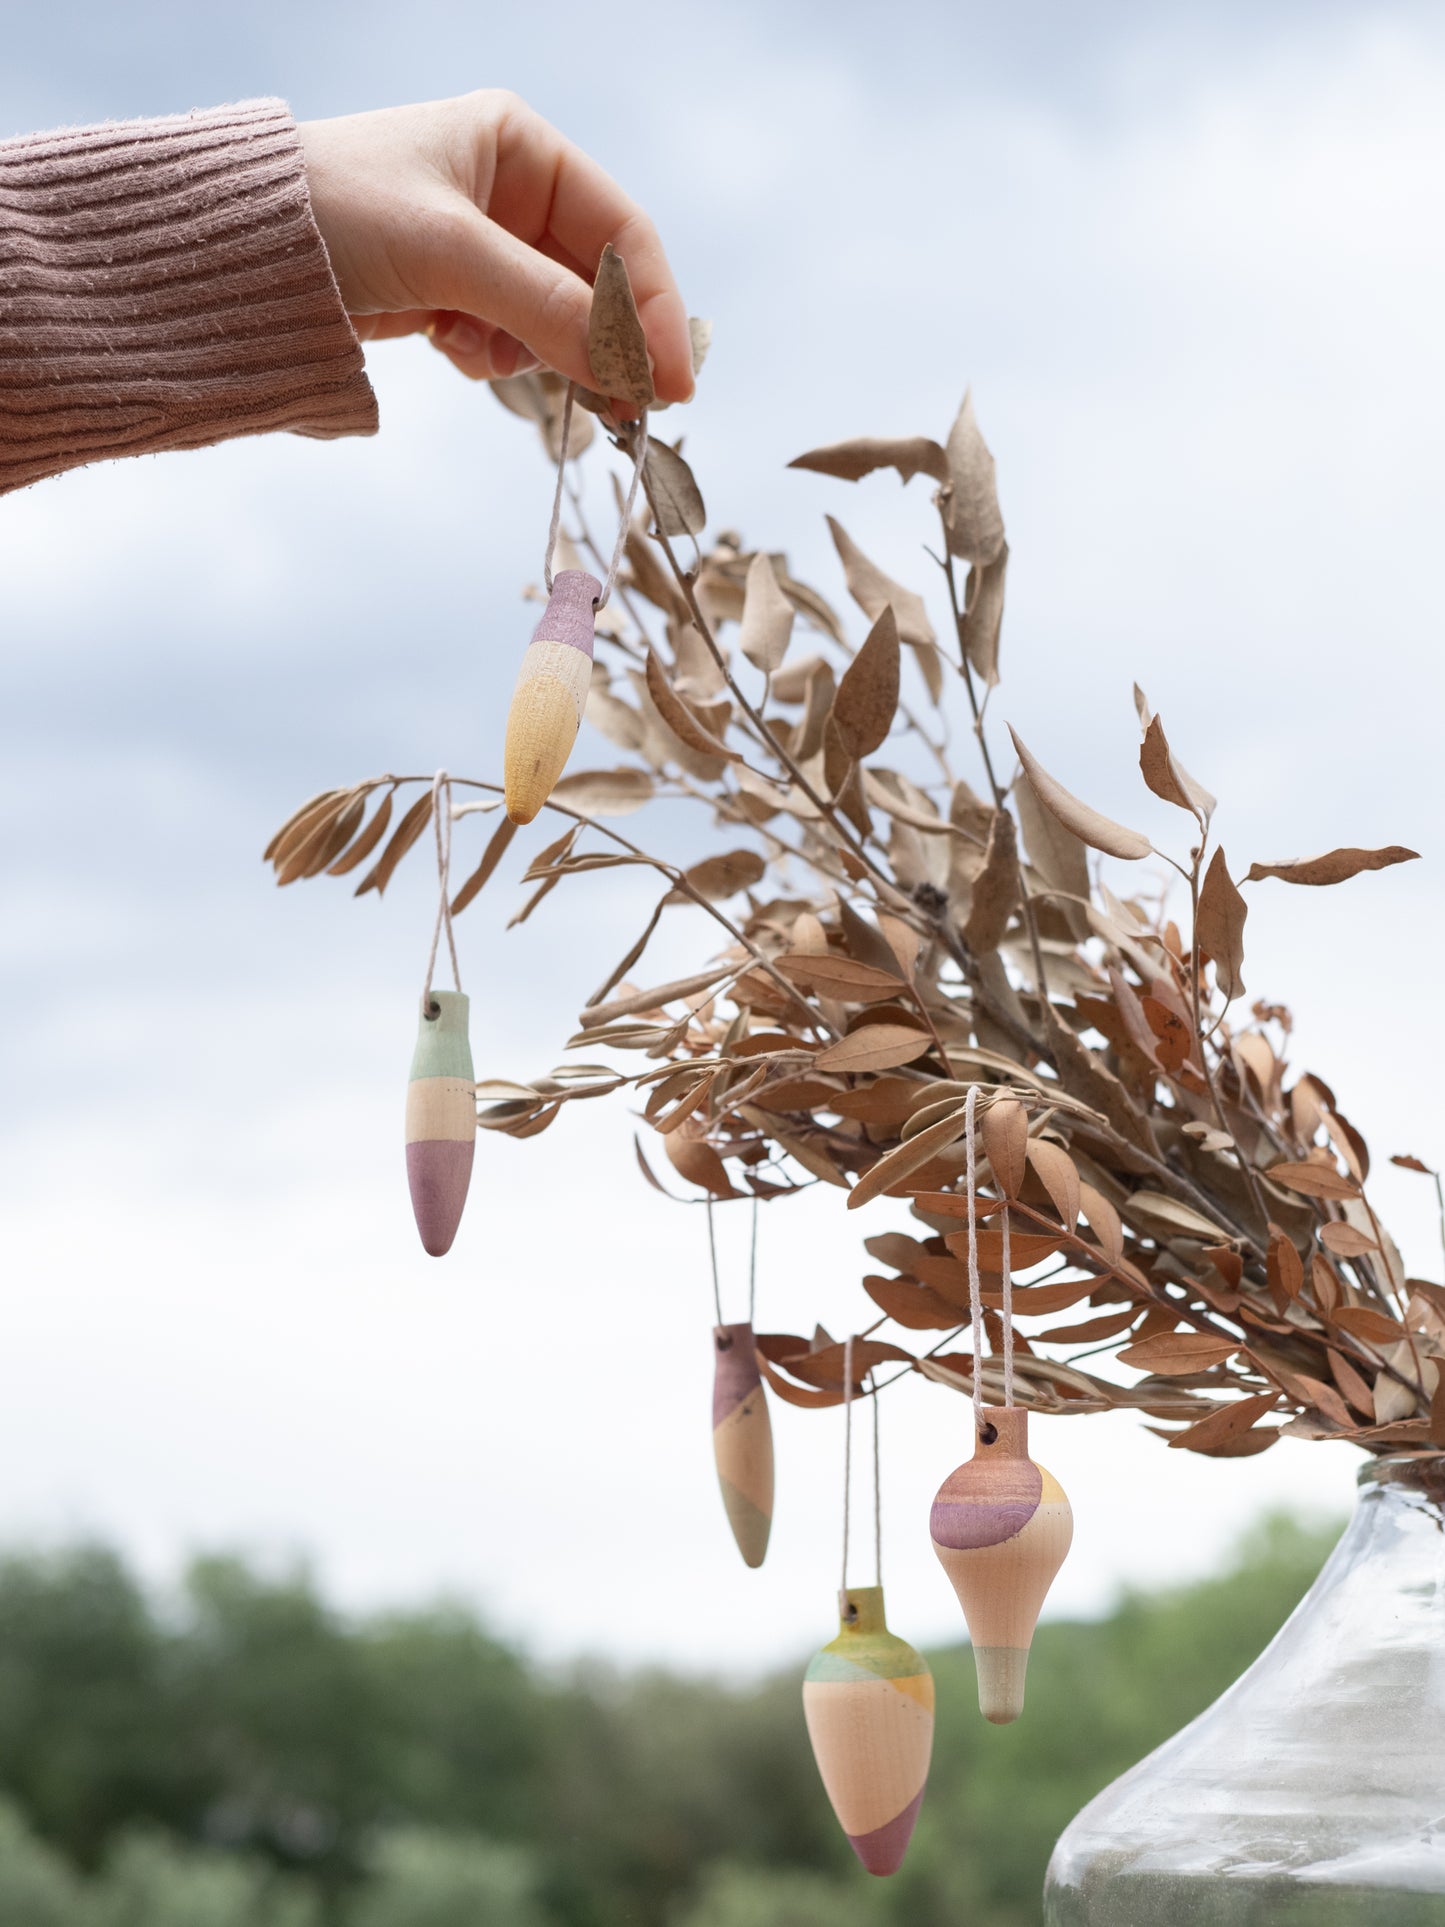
(460, 337)
(510, 356)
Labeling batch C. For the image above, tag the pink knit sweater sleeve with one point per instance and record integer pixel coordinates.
(163, 285)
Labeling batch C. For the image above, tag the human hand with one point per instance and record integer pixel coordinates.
(474, 221)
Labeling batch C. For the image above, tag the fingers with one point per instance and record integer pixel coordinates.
(480, 352)
(549, 192)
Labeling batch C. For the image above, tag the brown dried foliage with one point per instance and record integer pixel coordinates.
(889, 936)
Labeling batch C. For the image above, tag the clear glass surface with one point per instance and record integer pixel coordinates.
(1312, 1793)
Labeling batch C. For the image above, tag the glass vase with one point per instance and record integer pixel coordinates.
(1312, 1793)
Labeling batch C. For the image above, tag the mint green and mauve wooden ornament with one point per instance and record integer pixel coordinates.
(441, 1119)
(868, 1701)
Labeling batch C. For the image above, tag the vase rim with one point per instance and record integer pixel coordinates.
(1425, 1471)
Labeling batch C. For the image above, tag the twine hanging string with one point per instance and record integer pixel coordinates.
(849, 1610)
(639, 456)
(712, 1252)
(753, 1265)
(975, 1302)
(847, 1456)
(441, 809)
(975, 1298)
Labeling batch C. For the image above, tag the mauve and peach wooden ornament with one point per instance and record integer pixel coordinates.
(742, 1440)
(1001, 1526)
(550, 695)
(868, 1702)
(441, 1119)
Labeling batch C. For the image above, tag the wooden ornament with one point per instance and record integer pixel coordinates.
(441, 1119)
(868, 1701)
(1001, 1526)
(550, 695)
(742, 1440)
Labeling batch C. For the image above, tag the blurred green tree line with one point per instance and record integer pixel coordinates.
(245, 1756)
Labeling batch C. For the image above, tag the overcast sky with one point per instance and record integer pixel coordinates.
(1194, 276)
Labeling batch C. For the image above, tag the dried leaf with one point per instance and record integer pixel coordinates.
(491, 857)
(914, 1307)
(995, 888)
(767, 624)
(837, 976)
(1312, 1180)
(1373, 1326)
(1098, 831)
(876, 1047)
(1239, 1416)
(1172, 1353)
(1408, 1163)
(694, 1158)
(298, 824)
(595, 1015)
(402, 838)
(1334, 867)
(983, 615)
(904, 1159)
(616, 343)
(362, 848)
(1345, 1241)
(851, 460)
(1351, 1384)
(1092, 1329)
(1284, 1268)
(874, 591)
(719, 877)
(676, 499)
(868, 694)
(1059, 1177)
(678, 716)
(604, 792)
(1219, 926)
(970, 499)
(1103, 1220)
(1005, 1132)
(1169, 779)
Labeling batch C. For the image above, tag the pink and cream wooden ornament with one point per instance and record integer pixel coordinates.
(556, 673)
(742, 1440)
(441, 1102)
(551, 694)
(1000, 1524)
(868, 1702)
(1001, 1527)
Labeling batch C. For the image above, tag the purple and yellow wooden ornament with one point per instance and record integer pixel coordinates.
(550, 695)
(868, 1701)
(742, 1440)
(441, 1119)
(1001, 1526)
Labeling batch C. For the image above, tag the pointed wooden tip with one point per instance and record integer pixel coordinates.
(1001, 1671)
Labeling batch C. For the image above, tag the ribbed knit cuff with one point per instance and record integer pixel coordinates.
(164, 285)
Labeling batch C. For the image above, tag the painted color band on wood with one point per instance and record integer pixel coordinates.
(550, 695)
(868, 1702)
(1001, 1527)
(441, 1120)
(742, 1440)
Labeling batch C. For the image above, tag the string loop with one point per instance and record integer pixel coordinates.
(441, 809)
(848, 1476)
(639, 457)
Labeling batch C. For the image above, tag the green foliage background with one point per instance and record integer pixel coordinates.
(244, 1756)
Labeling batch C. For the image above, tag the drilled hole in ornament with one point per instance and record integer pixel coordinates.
(988, 1434)
(431, 1010)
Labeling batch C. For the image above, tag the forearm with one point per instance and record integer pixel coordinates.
(163, 285)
